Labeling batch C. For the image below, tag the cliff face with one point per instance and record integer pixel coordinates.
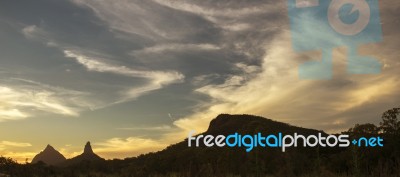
(49, 156)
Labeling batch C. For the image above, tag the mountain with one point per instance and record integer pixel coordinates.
(87, 156)
(181, 160)
(220, 161)
(248, 124)
(49, 156)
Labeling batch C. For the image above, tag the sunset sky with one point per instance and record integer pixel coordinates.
(135, 76)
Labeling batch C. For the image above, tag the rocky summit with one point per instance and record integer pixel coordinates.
(87, 155)
(49, 156)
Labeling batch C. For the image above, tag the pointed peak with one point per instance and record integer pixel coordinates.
(49, 147)
(49, 156)
(88, 148)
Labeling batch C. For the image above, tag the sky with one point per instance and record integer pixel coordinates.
(135, 76)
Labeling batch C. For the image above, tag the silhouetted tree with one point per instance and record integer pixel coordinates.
(390, 123)
(367, 128)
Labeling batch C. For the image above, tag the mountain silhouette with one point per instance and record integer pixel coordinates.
(87, 155)
(205, 161)
(181, 160)
(248, 124)
(49, 156)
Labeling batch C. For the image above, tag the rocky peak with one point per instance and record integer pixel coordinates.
(49, 148)
(88, 148)
(87, 155)
(49, 156)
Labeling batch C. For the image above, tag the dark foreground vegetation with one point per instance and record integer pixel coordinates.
(178, 160)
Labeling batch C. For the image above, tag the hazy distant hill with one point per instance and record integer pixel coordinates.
(49, 156)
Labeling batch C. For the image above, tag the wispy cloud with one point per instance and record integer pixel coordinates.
(210, 11)
(156, 128)
(136, 18)
(157, 79)
(237, 56)
(94, 62)
(276, 92)
(23, 98)
(34, 32)
(14, 144)
(229, 16)
(174, 47)
(272, 88)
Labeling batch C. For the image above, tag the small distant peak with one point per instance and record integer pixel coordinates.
(88, 148)
(49, 147)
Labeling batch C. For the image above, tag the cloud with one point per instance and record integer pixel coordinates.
(7, 114)
(138, 18)
(234, 18)
(30, 31)
(271, 89)
(205, 79)
(156, 128)
(123, 16)
(248, 69)
(210, 11)
(14, 144)
(22, 98)
(236, 54)
(34, 32)
(5, 151)
(157, 79)
(174, 48)
(237, 27)
(20, 157)
(98, 62)
(277, 93)
(128, 147)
